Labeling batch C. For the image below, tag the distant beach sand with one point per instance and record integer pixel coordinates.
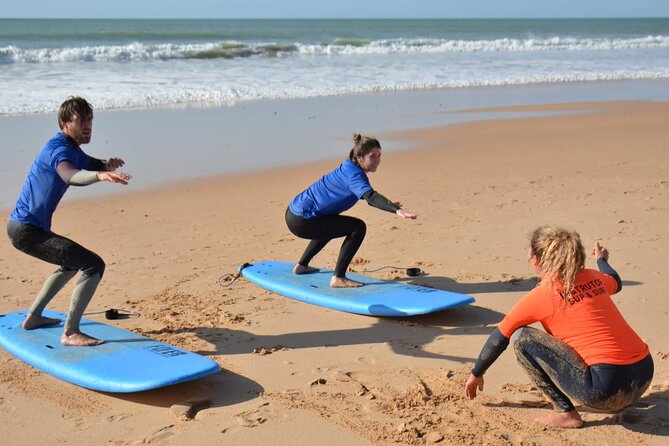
(297, 374)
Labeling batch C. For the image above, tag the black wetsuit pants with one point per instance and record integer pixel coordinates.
(321, 230)
(557, 370)
(70, 257)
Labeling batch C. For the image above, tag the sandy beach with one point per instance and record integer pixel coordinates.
(298, 374)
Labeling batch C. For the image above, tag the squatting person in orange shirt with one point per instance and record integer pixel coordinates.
(588, 351)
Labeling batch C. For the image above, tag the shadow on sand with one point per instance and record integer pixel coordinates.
(221, 389)
(646, 416)
(405, 335)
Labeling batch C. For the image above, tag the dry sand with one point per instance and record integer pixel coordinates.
(297, 374)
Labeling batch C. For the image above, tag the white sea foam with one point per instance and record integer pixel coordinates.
(137, 52)
(140, 95)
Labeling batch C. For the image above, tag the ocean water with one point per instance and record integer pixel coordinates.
(139, 64)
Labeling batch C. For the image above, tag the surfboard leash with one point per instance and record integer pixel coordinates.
(116, 313)
(228, 279)
(412, 272)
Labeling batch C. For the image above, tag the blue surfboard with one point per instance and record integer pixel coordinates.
(126, 362)
(376, 298)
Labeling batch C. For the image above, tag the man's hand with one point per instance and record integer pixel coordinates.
(114, 163)
(114, 177)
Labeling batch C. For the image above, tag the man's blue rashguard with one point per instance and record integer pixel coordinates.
(334, 193)
(43, 188)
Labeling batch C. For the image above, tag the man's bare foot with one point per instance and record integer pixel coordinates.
(79, 339)
(343, 282)
(301, 269)
(568, 420)
(33, 321)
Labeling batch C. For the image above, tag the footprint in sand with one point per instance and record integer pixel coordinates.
(160, 435)
(254, 418)
(80, 424)
(662, 387)
(116, 418)
(366, 360)
(339, 383)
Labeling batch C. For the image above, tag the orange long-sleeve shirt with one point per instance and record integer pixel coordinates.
(588, 320)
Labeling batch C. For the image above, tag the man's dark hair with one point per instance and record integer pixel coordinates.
(74, 105)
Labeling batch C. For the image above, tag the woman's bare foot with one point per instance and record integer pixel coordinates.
(568, 420)
(343, 282)
(33, 321)
(301, 269)
(79, 339)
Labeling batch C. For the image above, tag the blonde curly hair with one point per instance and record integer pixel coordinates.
(561, 256)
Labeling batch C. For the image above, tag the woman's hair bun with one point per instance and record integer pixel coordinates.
(357, 137)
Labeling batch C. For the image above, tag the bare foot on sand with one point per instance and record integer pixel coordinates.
(301, 269)
(33, 321)
(343, 282)
(568, 420)
(79, 339)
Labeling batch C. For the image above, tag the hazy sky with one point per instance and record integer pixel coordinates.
(330, 8)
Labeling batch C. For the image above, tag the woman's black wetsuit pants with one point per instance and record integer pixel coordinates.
(559, 371)
(321, 230)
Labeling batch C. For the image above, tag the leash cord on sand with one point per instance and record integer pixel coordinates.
(228, 279)
(409, 271)
(115, 313)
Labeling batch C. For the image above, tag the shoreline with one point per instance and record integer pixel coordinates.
(296, 373)
(225, 140)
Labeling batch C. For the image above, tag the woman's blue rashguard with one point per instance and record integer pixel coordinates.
(314, 213)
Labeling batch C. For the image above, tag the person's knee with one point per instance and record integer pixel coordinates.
(94, 265)
(360, 228)
(66, 271)
(520, 338)
(100, 266)
(517, 335)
